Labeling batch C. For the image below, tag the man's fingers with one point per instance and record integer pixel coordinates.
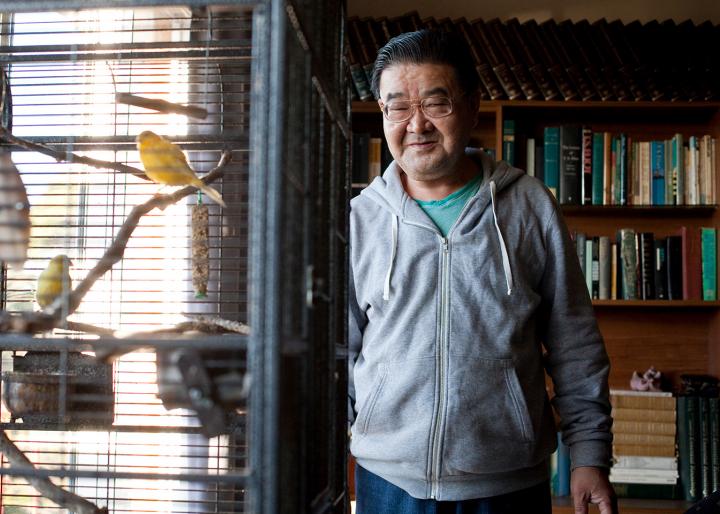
(608, 506)
(580, 505)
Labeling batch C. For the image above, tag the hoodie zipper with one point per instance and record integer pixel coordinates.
(442, 372)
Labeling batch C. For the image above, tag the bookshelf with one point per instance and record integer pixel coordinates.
(675, 336)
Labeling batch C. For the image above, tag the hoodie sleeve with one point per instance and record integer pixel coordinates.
(356, 323)
(576, 358)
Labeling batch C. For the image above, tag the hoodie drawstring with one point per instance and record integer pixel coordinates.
(503, 248)
(386, 289)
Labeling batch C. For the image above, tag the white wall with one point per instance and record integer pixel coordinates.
(626, 10)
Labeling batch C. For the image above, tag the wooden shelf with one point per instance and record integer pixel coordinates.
(666, 304)
(563, 505)
(640, 210)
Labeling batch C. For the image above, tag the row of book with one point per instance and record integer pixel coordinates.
(645, 266)
(584, 167)
(567, 60)
(644, 434)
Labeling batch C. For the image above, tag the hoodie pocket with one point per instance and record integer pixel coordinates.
(488, 427)
(365, 413)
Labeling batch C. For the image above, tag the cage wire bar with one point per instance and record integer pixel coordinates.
(278, 259)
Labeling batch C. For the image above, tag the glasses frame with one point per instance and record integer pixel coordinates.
(413, 108)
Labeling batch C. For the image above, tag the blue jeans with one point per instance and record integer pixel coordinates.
(375, 495)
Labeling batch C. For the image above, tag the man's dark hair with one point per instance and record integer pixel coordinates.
(428, 46)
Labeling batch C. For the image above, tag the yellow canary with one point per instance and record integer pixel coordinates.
(165, 163)
(54, 281)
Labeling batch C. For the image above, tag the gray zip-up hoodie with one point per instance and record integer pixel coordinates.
(446, 340)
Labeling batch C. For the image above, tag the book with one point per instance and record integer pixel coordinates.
(646, 248)
(534, 65)
(604, 269)
(607, 168)
(689, 446)
(589, 265)
(607, 68)
(586, 183)
(705, 447)
(628, 265)
(674, 266)
(554, 70)
(580, 241)
(678, 168)
(630, 438)
(508, 148)
(638, 462)
(502, 71)
(569, 164)
(482, 65)
(692, 264)
(714, 428)
(510, 54)
(645, 450)
(657, 165)
(647, 426)
(597, 168)
(558, 47)
(656, 400)
(530, 156)
(360, 157)
(551, 143)
(643, 415)
(582, 53)
(708, 237)
(374, 158)
(660, 268)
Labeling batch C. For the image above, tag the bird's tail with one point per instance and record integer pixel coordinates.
(212, 193)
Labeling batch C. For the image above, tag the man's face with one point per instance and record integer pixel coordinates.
(427, 148)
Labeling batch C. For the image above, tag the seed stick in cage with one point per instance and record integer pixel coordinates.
(200, 256)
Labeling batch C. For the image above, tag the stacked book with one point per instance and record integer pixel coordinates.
(644, 458)
(567, 60)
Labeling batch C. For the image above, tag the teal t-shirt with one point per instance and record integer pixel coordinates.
(444, 212)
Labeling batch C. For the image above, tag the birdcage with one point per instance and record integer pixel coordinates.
(166, 347)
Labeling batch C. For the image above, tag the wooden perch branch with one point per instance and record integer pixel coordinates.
(116, 250)
(66, 305)
(161, 105)
(43, 485)
(61, 155)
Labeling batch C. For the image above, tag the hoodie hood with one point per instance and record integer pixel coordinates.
(388, 192)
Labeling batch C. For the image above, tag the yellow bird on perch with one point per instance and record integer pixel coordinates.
(165, 163)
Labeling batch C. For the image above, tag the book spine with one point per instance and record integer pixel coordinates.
(502, 42)
(570, 162)
(714, 410)
(647, 265)
(487, 76)
(646, 427)
(660, 269)
(583, 54)
(607, 168)
(705, 452)
(709, 263)
(508, 148)
(551, 144)
(503, 73)
(688, 446)
(530, 156)
(535, 68)
(623, 169)
(628, 263)
(605, 267)
(692, 264)
(674, 257)
(554, 41)
(614, 273)
(678, 168)
(555, 71)
(563, 468)
(586, 168)
(595, 269)
(608, 69)
(360, 158)
(643, 450)
(652, 491)
(622, 438)
(580, 240)
(597, 168)
(657, 165)
(589, 265)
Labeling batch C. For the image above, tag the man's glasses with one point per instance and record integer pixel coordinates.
(397, 111)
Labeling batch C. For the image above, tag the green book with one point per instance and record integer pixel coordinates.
(508, 147)
(551, 144)
(709, 263)
(652, 491)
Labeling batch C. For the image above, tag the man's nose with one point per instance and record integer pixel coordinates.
(419, 122)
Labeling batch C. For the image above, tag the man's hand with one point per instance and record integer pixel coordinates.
(591, 485)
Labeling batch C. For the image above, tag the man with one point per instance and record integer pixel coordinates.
(461, 271)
